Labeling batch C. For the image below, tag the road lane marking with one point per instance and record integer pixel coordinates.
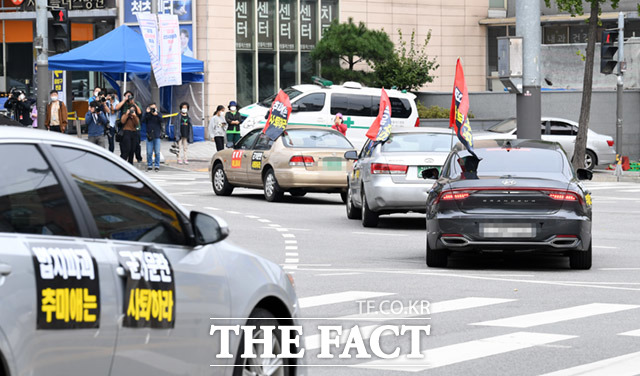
(211, 208)
(291, 261)
(630, 190)
(292, 254)
(263, 220)
(252, 216)
(465, 351)
(290, 241)
(604, 247)
(274, 225)
(187, 205)
(625, 365)
(377, 233)
(336, 274)
(619, 269)
(233, 212)
(557, 315)
(291, 247)
(339, 297)
(289, 266)
(288, 235)
(280, 229)
(632, 333)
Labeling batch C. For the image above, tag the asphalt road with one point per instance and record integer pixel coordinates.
(489, 315)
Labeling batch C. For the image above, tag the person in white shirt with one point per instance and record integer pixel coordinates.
(218, 128)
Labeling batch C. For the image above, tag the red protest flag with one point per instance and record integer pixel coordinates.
(278, 116)
(380, 129)
(458, 119)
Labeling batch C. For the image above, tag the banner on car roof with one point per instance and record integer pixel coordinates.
(278, 116)
(149, 293)
(380, 129)
(458, 119)
(67, 287)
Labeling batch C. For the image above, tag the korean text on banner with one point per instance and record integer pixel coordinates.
(458, 119)
(170, 50)
(149, 28)
(380, 129)
(278, 116)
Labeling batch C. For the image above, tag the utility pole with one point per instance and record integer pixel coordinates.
(620, 84)
(42, 60)
(528, 102)
(155, 91)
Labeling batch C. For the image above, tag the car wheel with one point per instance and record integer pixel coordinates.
(436, 258)
(272, 191)
(343, 196)
(352, 211)
(297, 193)
(369, 217)
(590, 160)
(256, 366)
(580, 259)
(221, 185)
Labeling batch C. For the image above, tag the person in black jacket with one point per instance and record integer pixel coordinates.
(233, 122)
(20, 107)
(153, 119)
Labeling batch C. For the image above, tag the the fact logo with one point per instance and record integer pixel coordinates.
(334, 341)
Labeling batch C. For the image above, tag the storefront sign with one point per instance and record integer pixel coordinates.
(30, 5)
(328, 13)
(58, 80)
(170, 51)
(149, 29)
(287, 18)
(180, 8)
(308, 22)
(244, 26)
(266, 24)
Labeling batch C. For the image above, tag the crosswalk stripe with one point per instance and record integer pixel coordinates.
(557, 315)
(436, 307)
(312, 342)
(632, 333)
(625, 365)
(340, 297)
(462, 352)
(630, 190)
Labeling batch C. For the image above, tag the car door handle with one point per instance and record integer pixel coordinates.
(5, 269)
(121, 272)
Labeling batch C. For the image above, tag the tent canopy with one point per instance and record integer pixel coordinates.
(122, 50)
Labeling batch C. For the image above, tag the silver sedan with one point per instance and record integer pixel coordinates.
(101, 272)
(387, 178)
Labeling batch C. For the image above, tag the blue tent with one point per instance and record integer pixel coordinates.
(122, 50)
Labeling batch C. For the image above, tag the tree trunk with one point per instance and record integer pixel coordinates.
(581, 140)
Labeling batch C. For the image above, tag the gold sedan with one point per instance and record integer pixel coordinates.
(303, 159)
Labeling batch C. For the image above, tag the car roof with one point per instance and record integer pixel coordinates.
(517, 143)
(421, 130)
(17, 133)
(307, 88)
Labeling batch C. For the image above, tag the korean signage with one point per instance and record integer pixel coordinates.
(308, 22)
(328, 13)
(170, 51)
(244, 25)
(180, 8)
(149, 294)
(30, 5)
(67, 287)
(58, 80)
(266, 24)
(149, 30)
(287, 18)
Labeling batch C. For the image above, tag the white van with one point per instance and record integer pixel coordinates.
(318, 105)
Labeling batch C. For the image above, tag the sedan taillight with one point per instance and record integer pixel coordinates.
(392, 169)
(564, 196)
(448, 196)
(301, 160)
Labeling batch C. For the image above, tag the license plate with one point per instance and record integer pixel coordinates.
(333, 164)
(422, 168)
(510, 230)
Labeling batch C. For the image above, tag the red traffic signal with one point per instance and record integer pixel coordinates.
(60, 15)
(608, 49)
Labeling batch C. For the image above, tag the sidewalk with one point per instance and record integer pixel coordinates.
(609, 176)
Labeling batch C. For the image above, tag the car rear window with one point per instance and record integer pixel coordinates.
(517, 162)
(311, 138)
(418, 142)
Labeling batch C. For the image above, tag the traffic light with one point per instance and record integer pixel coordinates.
(608, 49)
(61, 38)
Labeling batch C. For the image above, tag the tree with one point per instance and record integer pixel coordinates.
(576, 7)
(350, 44)
(409, 68)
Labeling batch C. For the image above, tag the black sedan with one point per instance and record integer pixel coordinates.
(517, 195)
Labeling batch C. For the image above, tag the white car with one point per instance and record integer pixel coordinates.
(600, 150)
(318, 105)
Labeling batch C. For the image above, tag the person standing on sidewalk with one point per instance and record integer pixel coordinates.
(218, 127)
(112, 104)
(233, 120)
(153, 119)
(127, 103)
(184, 132)
(130, 123)
(56, 117)
(97, 123)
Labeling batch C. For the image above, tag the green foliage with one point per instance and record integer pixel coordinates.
(576, 7)
(351, 44)
(409, 67)
(435, 112)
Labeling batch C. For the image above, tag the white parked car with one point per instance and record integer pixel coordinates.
(318, 105)
(600, 150)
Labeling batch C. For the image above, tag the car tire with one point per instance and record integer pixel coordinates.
(221, 186)
(369, 217)
(297, 192)
(580, 260)
(260, 317)
(343, 196)
(272, 191)
(352, 211)
(436, 258)
(590, 160)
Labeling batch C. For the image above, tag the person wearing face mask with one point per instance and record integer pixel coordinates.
(184, 132)
(153, 119)
(218, 127)
(56, 118)
(128, 103)
(233, 122)
(97, 123)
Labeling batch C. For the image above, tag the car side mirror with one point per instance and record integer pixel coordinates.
(208, 229)
(430, 173)
(351, 155)
(230, 144)
(584, 174)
